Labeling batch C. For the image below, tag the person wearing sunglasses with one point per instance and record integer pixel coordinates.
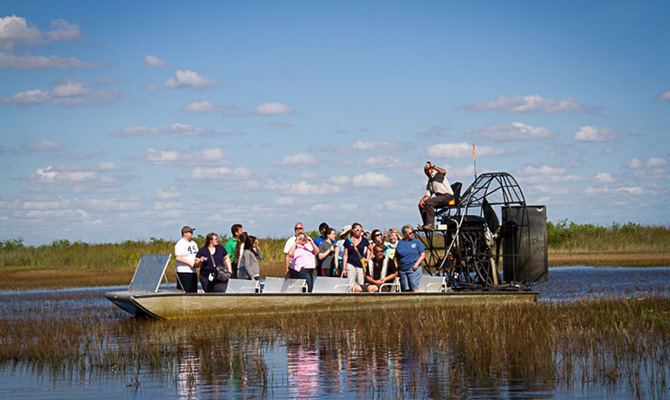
(376, 237)
(379, 271)
(357, 254)
(288, 261)
(409, 254)
(328, 254)
(303, 254)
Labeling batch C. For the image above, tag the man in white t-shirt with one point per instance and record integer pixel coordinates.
(184, 252)
(288, 261)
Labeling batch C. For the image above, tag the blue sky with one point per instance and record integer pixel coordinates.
(127, 121)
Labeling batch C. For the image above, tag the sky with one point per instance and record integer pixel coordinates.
(127, 120)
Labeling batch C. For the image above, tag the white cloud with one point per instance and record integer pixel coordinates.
(652, 162)
(513, 131)
(217, 174)
(656, 174)
(162, 206)
(10, 61)
(175, 130)
(633, 190)
(372, 180)
(664, 96)
(188, 78)
(461, 150)
(364, 146)
(528, 104)
(231, 111)
(656, 162)
(386, 162)
(70, 88)
(590, 133)
(62, 31)
(339, 180)
(307, 189)
(308, 175)
(285, 201)
(167, 193)
(299, 161)
(67, 92)
(545, 174)
(608, 150)
(15, 30)
(28, 98)
(43, 144)
(210, 156)
(603, 177)
(153, 61)
(79, 175)
(273, 109)
(203, 107)
(108, 166)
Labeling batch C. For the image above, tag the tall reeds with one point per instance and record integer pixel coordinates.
(618, 343)
(569, 237)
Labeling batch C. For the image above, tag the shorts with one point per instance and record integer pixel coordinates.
(410, 279)
(356, 273)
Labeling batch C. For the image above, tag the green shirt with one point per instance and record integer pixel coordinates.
(230, 249)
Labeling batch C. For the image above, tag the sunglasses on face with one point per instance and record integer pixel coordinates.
(298, 228)
(358, 229)
(379, 252)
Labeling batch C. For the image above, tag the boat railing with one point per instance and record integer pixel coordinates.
(431, 284)
(282, 285)
(395, 285)
(243, 286)
(327, 284)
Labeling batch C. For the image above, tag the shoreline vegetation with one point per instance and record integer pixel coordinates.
(77, 264)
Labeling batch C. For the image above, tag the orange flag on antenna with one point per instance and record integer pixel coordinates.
(474, 146)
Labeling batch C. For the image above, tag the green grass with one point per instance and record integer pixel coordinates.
(568, 237)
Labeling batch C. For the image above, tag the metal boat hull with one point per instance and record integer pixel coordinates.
(165, 305)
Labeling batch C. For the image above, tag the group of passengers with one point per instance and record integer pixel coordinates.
(370, 263)
(373, 264)
(243, 264)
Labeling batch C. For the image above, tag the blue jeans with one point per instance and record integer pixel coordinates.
(410, 279)
(306, 274)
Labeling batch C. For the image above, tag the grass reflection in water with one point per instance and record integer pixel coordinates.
(433, 352)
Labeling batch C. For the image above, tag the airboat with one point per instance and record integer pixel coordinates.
(472, 257)
(488, 238)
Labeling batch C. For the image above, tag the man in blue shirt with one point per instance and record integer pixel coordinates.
(409, 254)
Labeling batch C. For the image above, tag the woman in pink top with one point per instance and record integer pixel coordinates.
(304, 253)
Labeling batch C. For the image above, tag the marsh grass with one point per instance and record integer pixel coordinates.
(611, 342)
(568, 237)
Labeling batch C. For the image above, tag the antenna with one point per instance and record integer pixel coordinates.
(474, 159)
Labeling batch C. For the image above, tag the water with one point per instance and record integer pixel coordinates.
(308, 367)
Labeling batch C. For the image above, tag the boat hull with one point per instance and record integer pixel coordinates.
(178, 305)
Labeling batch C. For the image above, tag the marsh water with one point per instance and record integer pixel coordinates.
(312, 366)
